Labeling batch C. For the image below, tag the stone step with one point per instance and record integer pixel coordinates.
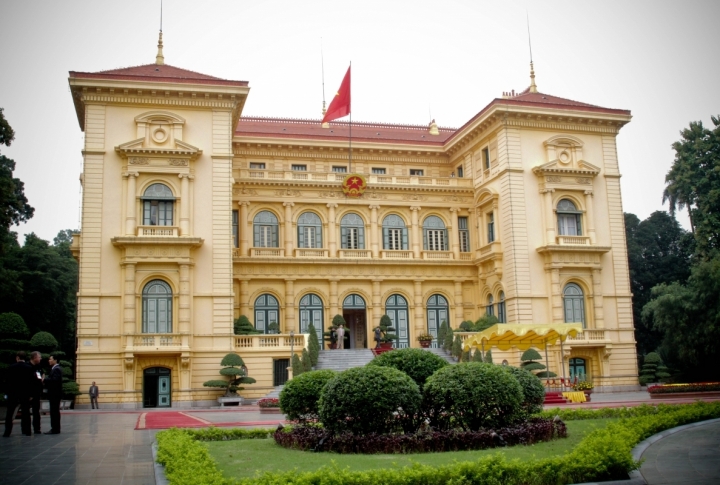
(441, 353)
(340, 360)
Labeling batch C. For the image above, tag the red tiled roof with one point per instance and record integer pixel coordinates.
(158, 73)
(313, 130)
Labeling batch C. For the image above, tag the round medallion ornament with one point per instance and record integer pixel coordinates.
(354, 185)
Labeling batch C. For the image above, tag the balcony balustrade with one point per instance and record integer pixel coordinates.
(310, 253)
(270, 342)
(157, 231)
(437, 255)
(355, 253)
(163, 342)
(588, 336)
(573, 240)
(387, 254)
(371, 178)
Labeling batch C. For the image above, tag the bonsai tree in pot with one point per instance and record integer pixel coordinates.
(528, 361)
(387, 332)
(273, 327)
(236, 373)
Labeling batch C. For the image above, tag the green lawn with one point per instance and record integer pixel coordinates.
(243, 458)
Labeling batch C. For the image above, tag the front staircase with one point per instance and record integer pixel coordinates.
(340, 360)
(554, 397)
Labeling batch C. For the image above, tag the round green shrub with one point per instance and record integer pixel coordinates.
(14, 344)
(532, 388)
(418, 364)
(12, 325)
(369, 399)
(44, 342)
(299, 398)
(472, 396)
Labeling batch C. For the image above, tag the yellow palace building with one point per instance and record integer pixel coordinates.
(193, 214)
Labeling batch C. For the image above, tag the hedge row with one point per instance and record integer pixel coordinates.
(622, 412)
(673, 388)
(605, 454)
(316, 438)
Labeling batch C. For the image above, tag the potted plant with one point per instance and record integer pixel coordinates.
(586, 387)
(273, 327)
(236, 372)
(269, 405)
(386, 329)
(425, 340)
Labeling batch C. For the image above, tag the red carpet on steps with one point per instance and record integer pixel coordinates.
(554, 398)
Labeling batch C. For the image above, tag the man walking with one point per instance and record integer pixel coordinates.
(94, 393)
(20, 376)
(37, 390)
(54, 387)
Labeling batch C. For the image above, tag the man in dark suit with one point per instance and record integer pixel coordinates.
(53, 382)
(94, 392)
(20, 376)
(37, 391)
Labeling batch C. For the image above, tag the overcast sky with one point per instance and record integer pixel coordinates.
(411, 60)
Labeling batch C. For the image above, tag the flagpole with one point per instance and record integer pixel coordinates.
(350, 135)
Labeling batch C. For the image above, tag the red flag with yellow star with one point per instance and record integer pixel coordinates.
(340, 104)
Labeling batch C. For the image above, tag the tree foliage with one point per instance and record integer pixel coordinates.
(313, 344)
(418, 364)
(242, 326)
(13, 326)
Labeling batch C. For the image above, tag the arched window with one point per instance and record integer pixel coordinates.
(265, 230)
(502, 315)
(157, 307)
(569, 219)
(396, 307)
(489, 311)
(437, 311)
(267, 311)
(311, 310)
(395, 234)
(574, 303)
(309, 231)
(434, 234)
(158, 202)
(352, 232)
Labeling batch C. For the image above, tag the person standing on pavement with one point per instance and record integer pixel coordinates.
(340, 332)
(54, 386)
(94, 393)
(378, 337)
(37, 390)
(19, 380)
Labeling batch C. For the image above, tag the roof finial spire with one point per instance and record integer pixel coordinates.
(322, 66)
(159, 58)
(533, 86)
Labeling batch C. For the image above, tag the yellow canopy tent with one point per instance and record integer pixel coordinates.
(523, 336)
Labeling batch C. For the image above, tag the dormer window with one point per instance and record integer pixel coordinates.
(158, 202)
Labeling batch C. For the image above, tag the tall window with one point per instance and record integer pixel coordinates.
(489, 310)
(486, 158)
(265, 230)
(267, 311)
(309, 231)
(574, 302)
(437, 311)
(502, 314)
(491, 227)
(568, 219)
(311, 310)
(352, 232)
(158, 202)
(434, 234)
(460, 171)
(395, 234)
(157, 307)
(396, 307)
(464, 234)
(235, 219)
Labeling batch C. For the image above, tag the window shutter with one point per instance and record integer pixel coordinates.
(301, 236)
(386, 238)
(361, 238)
(318, 233)
(344, 237)
(404, 238)
(273, 243)
(256, 236)
(578, 219)
(443, 246)
(146, 213)
(425, 239)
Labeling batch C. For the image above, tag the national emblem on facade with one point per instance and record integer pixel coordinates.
(354, 185)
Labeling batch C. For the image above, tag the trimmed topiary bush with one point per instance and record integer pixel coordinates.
(242, 326)
(13, 326)
(441, 333)
(478, 356)
(653, 369)
(448, 342)
(305, 361)
(532, 388)
(297, 367)
(370, 399)
(418, 364)
(488, 356)
(313, 344)
(44, 342)
(299, 398)
(233, 370)
(471, 396)
(457, 346)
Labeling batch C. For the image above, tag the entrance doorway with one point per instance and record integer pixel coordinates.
(156, 387)
(578, 368)
(354, 313)
(280, 371)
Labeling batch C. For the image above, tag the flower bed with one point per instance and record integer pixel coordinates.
(269, 405)
(677, 388)
(317, 438)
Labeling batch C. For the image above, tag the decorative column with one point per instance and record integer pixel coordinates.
(374, 239)
(288, 229)
(244, 307)
(129, 315)
(243, 228)
(549, 216)
(453, 233)
(290, 306)
(416, 238)
(556, 296)
(479, 221)
(590, 215)
(130, 209)
(184, 204)
(376, 303)
(184, 302)
(419, 320)
(459, 316)
(333, 298)
(598, 298)
(332, 236)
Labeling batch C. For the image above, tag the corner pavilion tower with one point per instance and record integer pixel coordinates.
(193, 215)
